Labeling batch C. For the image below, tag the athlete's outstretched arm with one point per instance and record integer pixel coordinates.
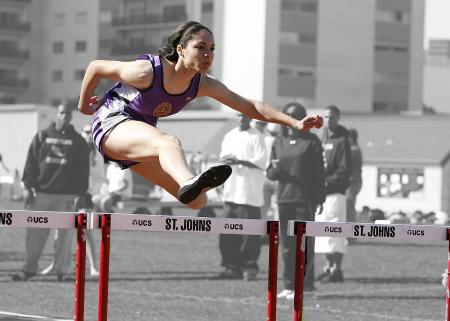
(253, 108)
(137, 73)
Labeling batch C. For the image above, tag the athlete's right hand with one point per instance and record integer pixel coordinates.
(93, 103)
(88, 108)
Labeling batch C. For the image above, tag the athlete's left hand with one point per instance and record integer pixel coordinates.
(309, 122)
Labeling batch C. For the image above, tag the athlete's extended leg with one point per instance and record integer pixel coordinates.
(138, 141)
(152, 171)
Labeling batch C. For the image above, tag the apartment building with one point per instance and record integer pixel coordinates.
(437, 76)
(70, 41)
(364, 56)
(15, 44)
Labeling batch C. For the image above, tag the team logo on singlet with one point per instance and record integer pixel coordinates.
(162, 110)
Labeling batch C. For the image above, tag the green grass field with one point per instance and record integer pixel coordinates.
(158, 276)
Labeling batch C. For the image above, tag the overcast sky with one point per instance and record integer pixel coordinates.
(437, 20)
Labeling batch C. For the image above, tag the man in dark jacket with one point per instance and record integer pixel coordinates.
(296, 162)
(56, 172)
(337, 161)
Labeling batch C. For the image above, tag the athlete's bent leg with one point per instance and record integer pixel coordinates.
(141, 142)
(152, 171)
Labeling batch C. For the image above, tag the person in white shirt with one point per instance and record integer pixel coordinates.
(244, 149)
(118, 187)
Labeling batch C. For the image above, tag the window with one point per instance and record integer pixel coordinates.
(57, 75)
(58, 19)
(78, 74)
(174, 13)
(58, 47)
(401, 183)
(80, 46)
(306, 38)
(390, 77)
(299, 6)
(392, 16)
(7, 100)
(296, 71)
(81, 17)
(391, 47)
(207, 7)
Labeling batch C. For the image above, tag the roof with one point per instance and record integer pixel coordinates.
(402, 139)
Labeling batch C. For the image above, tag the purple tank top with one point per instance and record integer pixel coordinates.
(154, 102)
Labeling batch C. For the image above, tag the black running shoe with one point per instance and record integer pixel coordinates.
(212, 177)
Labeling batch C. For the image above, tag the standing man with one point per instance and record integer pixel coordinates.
(296, 162)
(56, 172)
(337, 174)
(243, 148)
(355, 183)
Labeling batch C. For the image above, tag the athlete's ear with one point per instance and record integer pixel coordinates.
(180, 51)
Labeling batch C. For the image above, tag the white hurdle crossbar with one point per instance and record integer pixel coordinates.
(183, 224)
(62, 220)
(405, 232)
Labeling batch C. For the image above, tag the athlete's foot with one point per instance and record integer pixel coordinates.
(209, 179)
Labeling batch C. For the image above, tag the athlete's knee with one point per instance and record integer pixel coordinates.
(169, 140)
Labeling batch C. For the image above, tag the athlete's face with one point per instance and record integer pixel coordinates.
(199, 51)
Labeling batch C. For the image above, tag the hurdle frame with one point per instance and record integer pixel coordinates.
(105, 221)
(300, 230)
(24, 219)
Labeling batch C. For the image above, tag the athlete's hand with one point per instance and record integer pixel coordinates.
(93, 103)
(88, 107)
(310, 121)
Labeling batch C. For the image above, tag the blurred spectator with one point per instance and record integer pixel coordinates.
(56, 172)
(116, 188)
(296, 162)
(243, 148)
(441, 218)
(355, 183)
(270, 207)
(376, 214)
(337, 174)
(3, 164)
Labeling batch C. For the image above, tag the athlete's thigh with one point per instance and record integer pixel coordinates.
(152, 171)
(133, 140)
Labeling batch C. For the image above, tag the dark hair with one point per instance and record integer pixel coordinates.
(299, 112)
(181, 36)
(335, 110)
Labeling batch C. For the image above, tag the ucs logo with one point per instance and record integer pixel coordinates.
(37, 219)
(238, 227)
(333, 229)
(416, 232)
(5, 218)
(142, 222)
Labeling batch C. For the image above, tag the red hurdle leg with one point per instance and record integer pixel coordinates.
(447, 294)
(300, 228)
(105, 221)
(80, 266)
(273, 227)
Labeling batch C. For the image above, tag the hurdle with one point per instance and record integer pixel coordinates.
(62, 220)
(405, 232)
(184, 224)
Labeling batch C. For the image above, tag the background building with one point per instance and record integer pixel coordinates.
(364, 56)
(16, 40)
(437, 75)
